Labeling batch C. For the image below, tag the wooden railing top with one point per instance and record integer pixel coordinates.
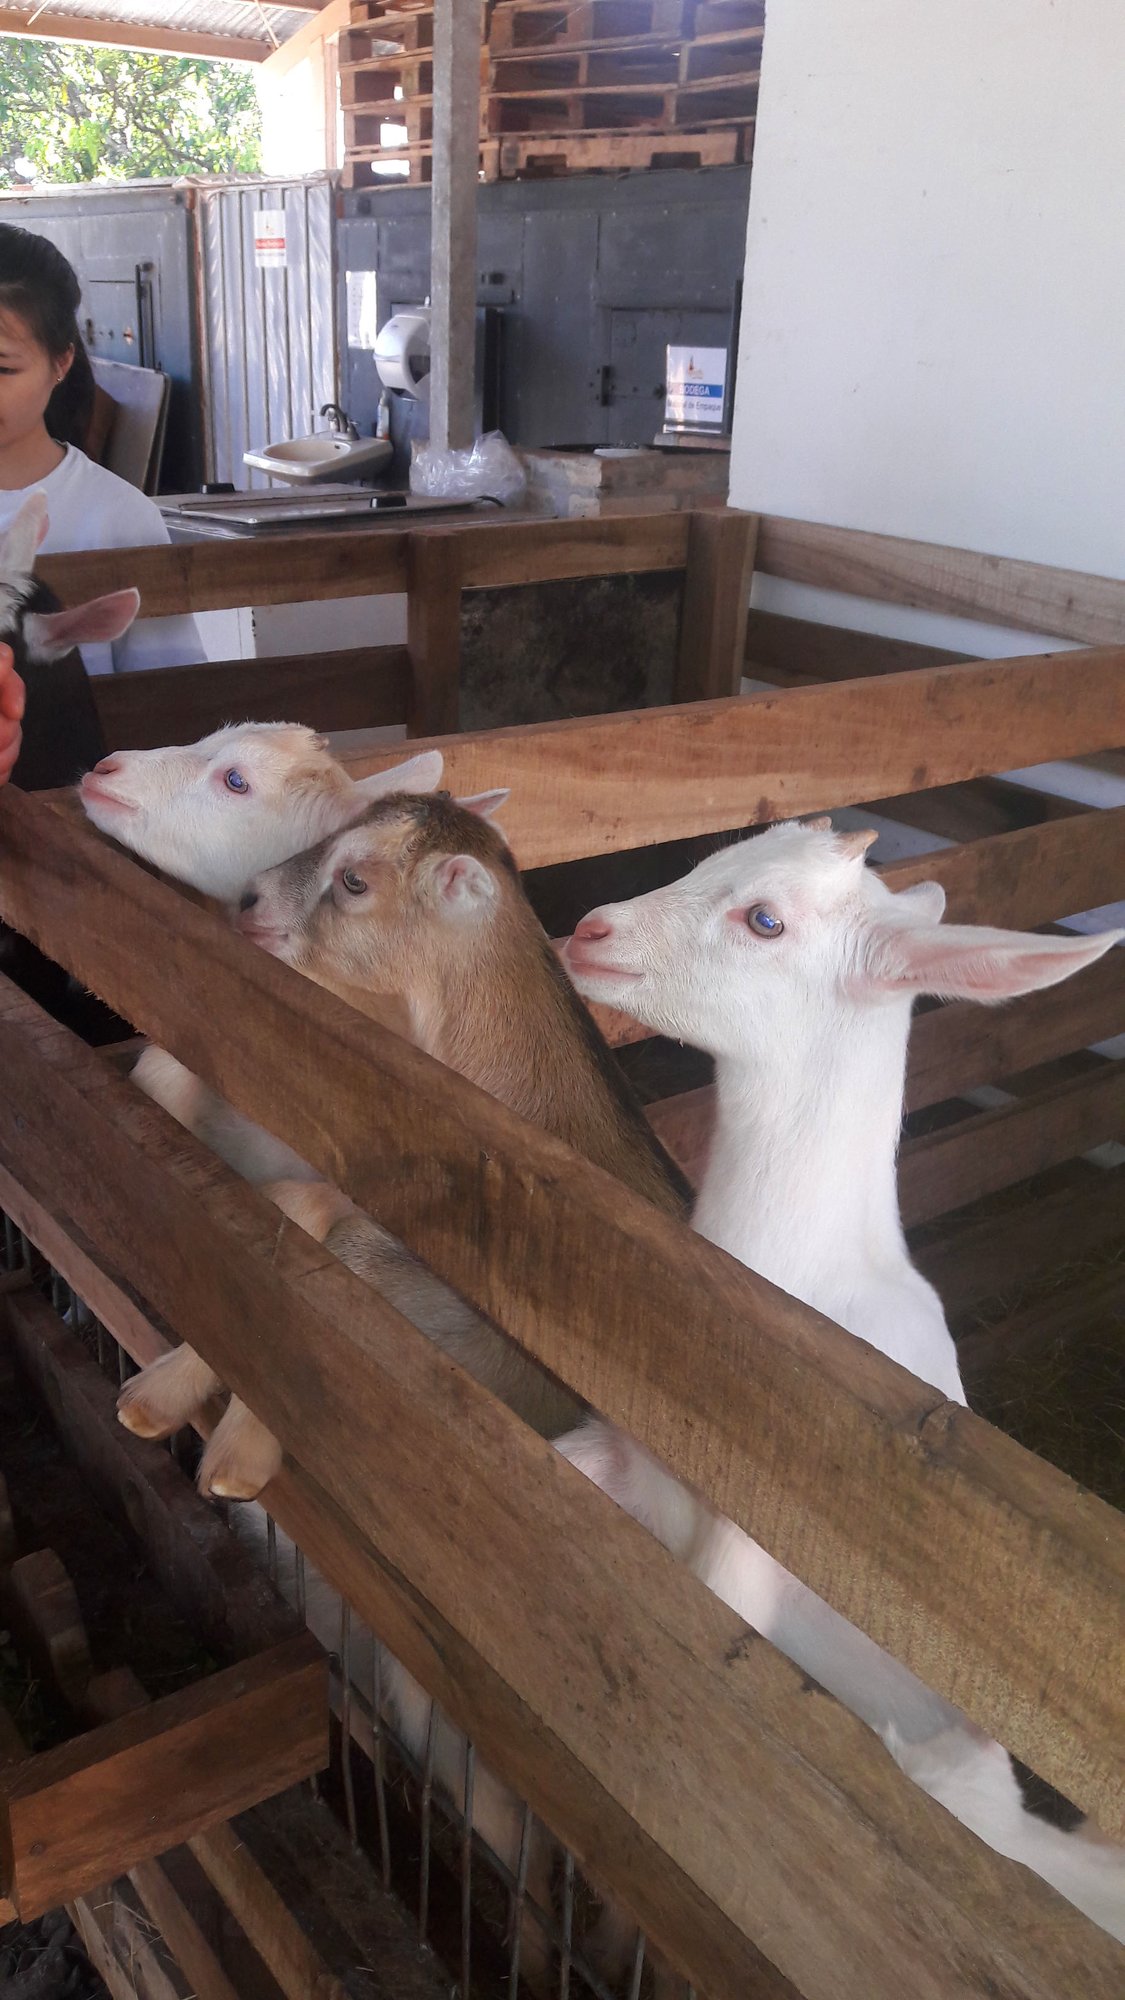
(215, 575)
(601, 783)
(996, 590)
(325, 563)
(751, 1409)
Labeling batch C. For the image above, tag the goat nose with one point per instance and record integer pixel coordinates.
(593, 927)
(107, 765)
(248, 901)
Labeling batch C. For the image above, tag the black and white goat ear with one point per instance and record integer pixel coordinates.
(50, 634)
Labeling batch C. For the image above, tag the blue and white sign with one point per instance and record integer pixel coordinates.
(695, 387)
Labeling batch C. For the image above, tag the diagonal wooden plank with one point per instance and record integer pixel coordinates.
(624, 1674)
(760, 1409)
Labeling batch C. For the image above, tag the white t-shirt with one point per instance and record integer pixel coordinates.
(90, 508)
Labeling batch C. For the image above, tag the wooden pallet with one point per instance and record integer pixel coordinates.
(533, 24)
(622, 152)
(628, 107)
(599, 65)
(361, 167)
(399, 28)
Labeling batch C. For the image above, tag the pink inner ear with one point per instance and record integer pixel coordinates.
(484, 804)
(974, 962)
(51, 633)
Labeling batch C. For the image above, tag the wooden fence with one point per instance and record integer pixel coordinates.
(416, 684)
(758, 1832)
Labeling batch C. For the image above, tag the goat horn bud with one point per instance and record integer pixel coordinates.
(853, 846)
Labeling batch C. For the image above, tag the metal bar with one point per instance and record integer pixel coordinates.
(346, 1718)
(427, 1815)
(378, 1755)
(566, 1942)
(467, 1875)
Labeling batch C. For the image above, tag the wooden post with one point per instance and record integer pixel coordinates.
(716, 603)
(453, 255)
(433, 634)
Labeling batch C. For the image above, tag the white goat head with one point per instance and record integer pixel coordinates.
(216, 812)
(789, 934)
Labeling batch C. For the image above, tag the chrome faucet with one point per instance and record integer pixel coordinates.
(342, 425)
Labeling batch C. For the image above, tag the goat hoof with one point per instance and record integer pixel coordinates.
(230, 1486)
(230, 1473)
(137, 1416)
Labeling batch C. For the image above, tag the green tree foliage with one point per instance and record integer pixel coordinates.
(70, 113)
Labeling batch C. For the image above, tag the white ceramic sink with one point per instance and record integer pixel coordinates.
(324, 455)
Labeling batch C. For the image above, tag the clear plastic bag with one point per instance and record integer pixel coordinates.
(489, 470)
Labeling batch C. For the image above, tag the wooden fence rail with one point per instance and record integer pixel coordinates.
(614, 781)
(589, 1666)
(753, 1410)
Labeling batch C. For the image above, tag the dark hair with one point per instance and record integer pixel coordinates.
(38, 284)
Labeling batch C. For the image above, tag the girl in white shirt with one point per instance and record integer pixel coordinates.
(46, 396)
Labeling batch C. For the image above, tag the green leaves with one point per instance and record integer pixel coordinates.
(69, 113)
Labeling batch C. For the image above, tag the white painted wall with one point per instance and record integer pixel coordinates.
(933, 338)
(298, 115)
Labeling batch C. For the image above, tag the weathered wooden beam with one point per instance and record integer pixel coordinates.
(433, 636)
(997, 590)
(976, 1257)
(716, 599)
(772, 1393)
(599, 783)
(453, 252)
(798, 652)
(361, 688)
(556, 1594)
(48, 27)
(315, 567)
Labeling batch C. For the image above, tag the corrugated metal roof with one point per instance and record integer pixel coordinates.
(240, 20)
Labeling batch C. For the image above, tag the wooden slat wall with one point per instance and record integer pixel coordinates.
(583, 1630)
(864, 1549)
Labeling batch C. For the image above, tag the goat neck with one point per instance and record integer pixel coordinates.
(801, 1180)
(509, 1019)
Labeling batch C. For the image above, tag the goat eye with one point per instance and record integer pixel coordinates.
(761, 920)
(353, 883)
(235, 782)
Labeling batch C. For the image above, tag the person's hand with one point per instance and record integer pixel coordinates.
(11, 712)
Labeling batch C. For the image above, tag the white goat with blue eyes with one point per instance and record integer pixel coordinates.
(796, 968)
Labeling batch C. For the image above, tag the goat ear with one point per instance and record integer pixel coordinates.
(463, 885)
(926, 900)
(18, 548)
(971, 962)
(485, 804)
(418, 774)
(821, 824)
(50, 634)
(853, 846)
